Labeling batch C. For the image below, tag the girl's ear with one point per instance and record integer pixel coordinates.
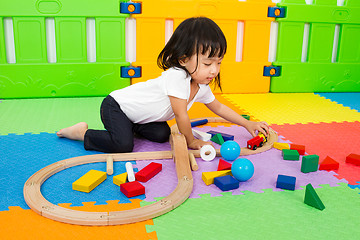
(183, 61)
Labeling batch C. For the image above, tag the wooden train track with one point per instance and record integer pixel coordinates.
(36, 201)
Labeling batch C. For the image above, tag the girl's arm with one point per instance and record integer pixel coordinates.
(179, 107)
(231, 116)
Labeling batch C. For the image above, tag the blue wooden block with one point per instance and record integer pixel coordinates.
(226, 137)
(226, 183)
(286, 182)
(199, 122)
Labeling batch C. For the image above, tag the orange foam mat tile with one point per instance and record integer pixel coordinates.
(18, 223)
(336, 140)
(292, 108)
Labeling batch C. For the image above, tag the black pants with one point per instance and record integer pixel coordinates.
(119, 134)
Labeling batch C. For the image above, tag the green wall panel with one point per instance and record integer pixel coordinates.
(70, 35)
(349, 49)
(2, 42)
(321, 42)
(60, 80)
(110, 41)
(290, 41)
(30, 41)
(318, 72)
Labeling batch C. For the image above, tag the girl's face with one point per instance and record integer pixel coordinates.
(204, 69)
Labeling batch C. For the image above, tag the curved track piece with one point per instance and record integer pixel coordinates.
(180, 154)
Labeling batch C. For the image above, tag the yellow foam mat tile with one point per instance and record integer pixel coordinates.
(292, 108)
(18, 223)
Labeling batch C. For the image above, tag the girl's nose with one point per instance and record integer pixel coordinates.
(213, 69)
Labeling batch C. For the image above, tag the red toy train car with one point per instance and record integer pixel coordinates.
(256, 142)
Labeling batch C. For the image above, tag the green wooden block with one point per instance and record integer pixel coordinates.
(246, 116)
(217, 138)
(310, 163)
(289, 154)
(312, 199)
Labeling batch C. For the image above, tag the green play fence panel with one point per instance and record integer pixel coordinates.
(318, 73)
(71, 74)
(2, 42)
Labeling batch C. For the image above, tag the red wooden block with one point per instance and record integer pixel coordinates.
(132, 189)
(299, 148)
(329, 164)
(148, 172)
(353, 158)
(224, 165)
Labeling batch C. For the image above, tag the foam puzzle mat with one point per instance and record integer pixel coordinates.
(327, 124)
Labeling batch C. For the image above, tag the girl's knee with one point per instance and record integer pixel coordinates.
(123, 146)
(162, 136)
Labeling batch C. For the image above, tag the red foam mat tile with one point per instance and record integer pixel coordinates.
(336, 140)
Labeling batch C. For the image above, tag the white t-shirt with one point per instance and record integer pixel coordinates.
(149, 101)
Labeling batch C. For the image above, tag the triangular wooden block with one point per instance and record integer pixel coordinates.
(217, 138)
(224, 165)
(208, 177)
(329, 164)
(120, 179)
(312, 199)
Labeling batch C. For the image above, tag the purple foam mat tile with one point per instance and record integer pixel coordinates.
(143, 145)
(161, 184)
(267, 167)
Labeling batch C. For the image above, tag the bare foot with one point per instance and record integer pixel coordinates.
(75, 132)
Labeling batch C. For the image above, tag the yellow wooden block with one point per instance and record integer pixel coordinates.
(120, 179)
(89, 181)
(208, 177)
(281, 146)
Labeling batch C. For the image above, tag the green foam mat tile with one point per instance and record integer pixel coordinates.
(268, 215)
(21, 116)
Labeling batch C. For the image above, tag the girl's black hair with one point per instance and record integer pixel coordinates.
(193, 36)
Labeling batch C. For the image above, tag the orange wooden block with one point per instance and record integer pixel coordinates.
(299, 148)
(329, 164)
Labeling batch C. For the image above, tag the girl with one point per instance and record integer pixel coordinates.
(191, 60)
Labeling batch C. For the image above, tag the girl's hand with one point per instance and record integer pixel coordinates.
(252, 127)
(197, 144)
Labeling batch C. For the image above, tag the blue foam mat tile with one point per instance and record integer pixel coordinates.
(23, 155)
(351, 100)
(354, 186)
(62, 183)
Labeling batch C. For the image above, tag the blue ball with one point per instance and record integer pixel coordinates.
(230, 150)
(242, 169)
